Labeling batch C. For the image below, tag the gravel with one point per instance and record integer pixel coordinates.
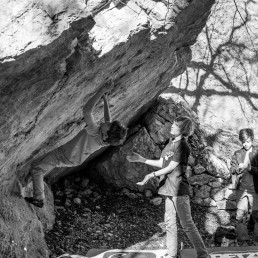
(109, 219)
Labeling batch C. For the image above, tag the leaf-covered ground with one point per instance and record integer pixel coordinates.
(88, 217)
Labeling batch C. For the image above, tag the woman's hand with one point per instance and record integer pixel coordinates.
(135, 157)
(146, 179)
(242, 167)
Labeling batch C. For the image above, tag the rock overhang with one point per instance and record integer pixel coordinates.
(135, 50)
(45, 83)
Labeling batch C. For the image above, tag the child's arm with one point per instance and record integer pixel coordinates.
(172, 165)
(135, 157)
(88, 108)
(107, 115)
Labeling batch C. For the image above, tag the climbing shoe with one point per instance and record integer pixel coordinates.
(38, 203)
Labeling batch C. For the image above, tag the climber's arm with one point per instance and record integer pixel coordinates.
(88, 108)
(107, 115)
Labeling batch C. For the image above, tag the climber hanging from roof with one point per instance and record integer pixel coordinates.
(77, 150)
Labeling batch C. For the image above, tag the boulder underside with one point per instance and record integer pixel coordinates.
(54, 57)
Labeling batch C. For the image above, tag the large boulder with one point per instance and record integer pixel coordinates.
(208, 166)
(148, 139)
(56, 54)
(117, 171)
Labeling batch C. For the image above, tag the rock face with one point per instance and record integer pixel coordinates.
(207, 171)
(56, 54)
(220, 84)
(149, 139)
(118, 171)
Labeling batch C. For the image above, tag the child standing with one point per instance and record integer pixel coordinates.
(174, 185)
(244, 170)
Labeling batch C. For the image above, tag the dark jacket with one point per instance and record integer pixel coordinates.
(175, 183)
(238, 158)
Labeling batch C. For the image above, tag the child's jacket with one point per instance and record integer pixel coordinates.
(248, 180)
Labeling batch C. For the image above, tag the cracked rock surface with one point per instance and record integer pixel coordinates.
(54, 55)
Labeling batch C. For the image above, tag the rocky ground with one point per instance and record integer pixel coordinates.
(88, 216)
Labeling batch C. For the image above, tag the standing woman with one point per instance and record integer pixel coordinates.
(174, 185)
